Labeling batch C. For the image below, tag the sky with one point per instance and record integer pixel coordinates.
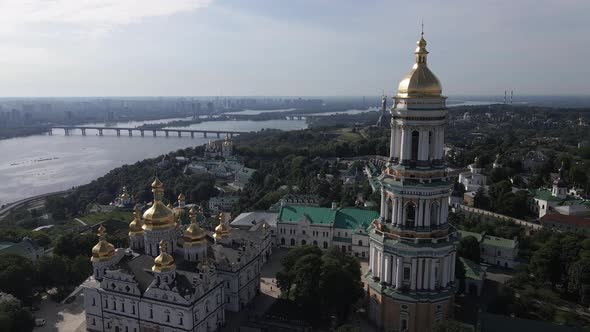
(289, 47)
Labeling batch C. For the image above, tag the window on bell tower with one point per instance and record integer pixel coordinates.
(415, 143)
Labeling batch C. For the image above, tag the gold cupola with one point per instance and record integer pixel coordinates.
(181, 197)
(227, 141)
(420, 81)
(124, 193)
(164, 262)
(135, 226)
(158, 216)
(103, 250)
(194, 234)
(223, 229)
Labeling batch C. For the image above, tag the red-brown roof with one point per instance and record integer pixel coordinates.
(565, 219)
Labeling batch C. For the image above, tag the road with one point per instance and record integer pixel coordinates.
(11, 206)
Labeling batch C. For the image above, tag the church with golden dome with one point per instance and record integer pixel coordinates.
(173, 277)
(412, 248)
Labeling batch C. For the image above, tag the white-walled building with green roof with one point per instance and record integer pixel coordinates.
(495, 250)
(344, 228)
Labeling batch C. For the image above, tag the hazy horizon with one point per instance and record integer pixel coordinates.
(265, 48)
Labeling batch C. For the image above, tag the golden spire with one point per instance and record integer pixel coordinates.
(135, 227)
(102, 251)
(158, 216)
(181, 197)
(164, 262)
(194, 234)
(420, 81)
(223, 229)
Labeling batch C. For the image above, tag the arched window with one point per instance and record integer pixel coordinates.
(315, 243)
(325, 245)
(360, 242)
(292, 242)
(283, 241)
(303, 242)
(410, 215)
(415, 143)
(434, 214)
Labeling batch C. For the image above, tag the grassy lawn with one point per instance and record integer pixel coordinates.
(349, 137)
(98, 217)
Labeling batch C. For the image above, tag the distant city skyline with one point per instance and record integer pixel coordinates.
(288, 48)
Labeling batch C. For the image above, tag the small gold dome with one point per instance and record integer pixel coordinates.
(227, 141)
(181, 197)
(158, 216)
(420, 81)
(164, 262)
(124, 193)
(194, 234)
(102, 251)
(223, 229)
(135, 227)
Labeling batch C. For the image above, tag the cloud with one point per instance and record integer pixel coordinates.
(88, 16)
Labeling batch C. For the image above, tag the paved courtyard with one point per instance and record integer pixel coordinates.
(269, 292)
(62, 317)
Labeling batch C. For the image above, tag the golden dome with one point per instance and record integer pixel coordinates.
(124, 193)
(194, 234)
(102, 251)
(135, 226)
(164, 262)
(420, 81)
(181, 197)
(227, 141)
(158, 216)
(223, 229)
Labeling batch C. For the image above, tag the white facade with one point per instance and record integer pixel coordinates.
(222, 203)
(412, 247)
(188, 289)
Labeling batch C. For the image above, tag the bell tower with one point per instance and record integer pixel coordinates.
(412, 247)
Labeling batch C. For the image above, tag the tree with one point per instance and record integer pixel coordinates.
(579, 280)
(52, 271)
(16, 274)
(546, 261)
(72, 245)
(469, 248)
(13, 318)
(339, 271)
(316, 280)
(480, 200)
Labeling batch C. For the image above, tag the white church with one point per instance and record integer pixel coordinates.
(173, 277)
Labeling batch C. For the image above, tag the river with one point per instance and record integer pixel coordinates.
(40, 164)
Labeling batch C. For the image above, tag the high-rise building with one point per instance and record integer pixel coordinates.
(410, 283)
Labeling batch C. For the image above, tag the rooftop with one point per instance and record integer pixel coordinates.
(490, 240)
(565, 219)
(473, 270)
(346, 218)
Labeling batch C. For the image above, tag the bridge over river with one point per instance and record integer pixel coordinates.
(68, 130)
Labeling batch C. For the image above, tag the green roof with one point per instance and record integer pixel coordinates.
(315, 215)
(472, 270)
(546, 195)
(346, 218)
(350, 218)
(490, 240)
